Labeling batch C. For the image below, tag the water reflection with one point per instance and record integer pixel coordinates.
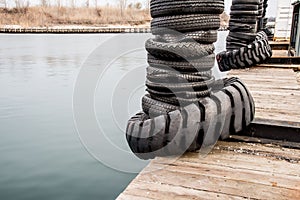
(41, 155)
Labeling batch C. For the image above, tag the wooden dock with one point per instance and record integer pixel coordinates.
(77, 30)
(235, 170)
(276, 93)
(230, 171)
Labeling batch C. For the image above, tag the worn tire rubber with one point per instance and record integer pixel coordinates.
(170, 7)
(255, 53)
(193, 65)
(243, 36)
(255, 2)
(182, 101)
(151, 70)
(155, 108)
(179, 87)
(204, 37)
(244, 7)
(243, 20)
(239, 27)
(236, 44)
(185, 23)
(178, 51)
(231, 39)
(173, 77)
(244, 12)
(186, 95)
(194, 126)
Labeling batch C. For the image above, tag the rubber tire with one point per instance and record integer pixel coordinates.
(173, 77)
(178, 95)
(239, 27)
(185, 23)
(155, 108)
(179, 87)
(189, 128)
(243, 20)
(245, 12)
(178, 51)
(230, 39)
(244, 7)
(170, 7)
(243, 36)
(255, 2)
(205, 37)
(182, 101)
(255, 53)
(198, 65)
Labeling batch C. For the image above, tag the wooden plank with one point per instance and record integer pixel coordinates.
(155, 190)
(125, 196)
(235, 170)
(230, 171)
(276, 92)
(277, 53)
(251, 139)
(295, 67)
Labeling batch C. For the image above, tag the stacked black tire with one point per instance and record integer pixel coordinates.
(181, 55)
(245, 47)
(263, 19)
(185, 108)
(255, 53)
(243, 24)
(198, 125)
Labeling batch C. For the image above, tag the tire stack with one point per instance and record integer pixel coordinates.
(245, 47)
(243, 23)
(185, 108)
(181, 55)
(265, 21)
(255, 53)
(228, 110)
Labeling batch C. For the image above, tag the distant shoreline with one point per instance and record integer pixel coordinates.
(68, 29)
(79, 29)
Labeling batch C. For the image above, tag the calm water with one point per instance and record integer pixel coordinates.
(41, 155)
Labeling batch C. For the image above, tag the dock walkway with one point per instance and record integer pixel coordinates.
(276, 93)
(235, 170)
(230, 171)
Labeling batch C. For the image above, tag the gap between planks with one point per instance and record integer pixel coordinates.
(230, 171)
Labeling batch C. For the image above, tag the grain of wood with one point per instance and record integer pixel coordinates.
(276, 92)
(230, 171)
(235, 170)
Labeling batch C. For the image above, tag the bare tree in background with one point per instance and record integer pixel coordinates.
(58, 3)
(96, 4)
(87, 3)
(44, 3)
(21, 3)
(17, 3)
(148, 5)
(73, 3)
(122, 4)
(3, 3)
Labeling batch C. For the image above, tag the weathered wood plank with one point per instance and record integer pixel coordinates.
(235, 170)
(296, 67)
(230, 171)
(126, 196)
(276, 92)
(155, 190)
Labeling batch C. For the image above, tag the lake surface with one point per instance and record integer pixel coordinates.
(43, 152)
